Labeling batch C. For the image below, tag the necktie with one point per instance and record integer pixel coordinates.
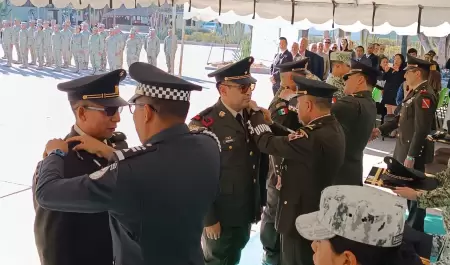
(241, 121)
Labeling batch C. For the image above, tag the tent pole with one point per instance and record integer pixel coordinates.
(183, 30)
(174, 38)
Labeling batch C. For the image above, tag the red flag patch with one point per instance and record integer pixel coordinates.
(425, 103)
(333, 100)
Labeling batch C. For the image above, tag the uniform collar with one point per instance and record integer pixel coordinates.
(318, 118)
(176, 130)
(81, 133)
(418, 85)
(232, 111)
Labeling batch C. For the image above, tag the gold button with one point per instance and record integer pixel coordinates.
(285, 202)
(230, 147)
(254, 166)
(251, 153)
(254, 180)
(398, 134)
(248, 140)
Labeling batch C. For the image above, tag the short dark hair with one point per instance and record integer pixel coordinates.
(166, 108)
(283, 38)
(412, 50)
(323, 103)
(360, 47)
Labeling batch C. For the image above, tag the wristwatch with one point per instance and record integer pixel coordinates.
(58, 152)
(410, 158)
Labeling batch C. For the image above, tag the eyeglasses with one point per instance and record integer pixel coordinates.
(109, 111)
(132, 107)
(244, 88)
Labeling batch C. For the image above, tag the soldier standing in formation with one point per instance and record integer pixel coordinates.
(120, 39)
(95, 49)
(32, 42)
(152, 47)
(305, 152)
(67, 37)
(16, 29)
(23, 44)
(83, 238)
(39, 38)
(85, 34)
(47, 44)
(103, 35)
(340, 65)
(170, 48)
(8, 43)
(356, 112)
(414, 123)
(112, 50)
(132, 47)
(76, 46)
(228, 223)
(57, 41)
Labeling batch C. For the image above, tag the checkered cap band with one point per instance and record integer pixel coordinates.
(162, 92)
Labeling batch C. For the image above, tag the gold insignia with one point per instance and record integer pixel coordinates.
(222, 114)
(433, 67)
(311, 126)
(297, 135)
(116, 89)
(122, 73)
(193, 127)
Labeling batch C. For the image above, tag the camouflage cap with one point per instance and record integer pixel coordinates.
(362, 214)
(344, 57)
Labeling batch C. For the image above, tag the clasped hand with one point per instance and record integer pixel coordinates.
(254, 106)
(86, 142)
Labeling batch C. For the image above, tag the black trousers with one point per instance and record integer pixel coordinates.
(270, 240)
(416, 217)
(227, 249)
(296, 250)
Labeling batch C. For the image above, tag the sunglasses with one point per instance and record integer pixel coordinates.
(109, 111)
(132, 107)
(244, 88)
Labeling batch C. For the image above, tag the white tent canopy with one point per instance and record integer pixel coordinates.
(400, 16)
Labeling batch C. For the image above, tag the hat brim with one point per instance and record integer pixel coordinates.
(309, 227)
(110, 102)
(133, 98)
(244, 81)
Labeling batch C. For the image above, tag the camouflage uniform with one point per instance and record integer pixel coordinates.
(48, 51)
(32, 42)
(16, 30)
(66, 34)
(23, 45)
(39, 46)
(342, 58)
(8, 42)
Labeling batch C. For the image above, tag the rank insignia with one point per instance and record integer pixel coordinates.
(222, 114)
(197, 117)
(297, 135)
(425, 103)
(207, 122)
(193, 127)
(228, 140)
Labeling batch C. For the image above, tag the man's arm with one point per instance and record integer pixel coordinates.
(389, 126)
(295, 146)
(84, 194)
(423, 118)
(345, 110)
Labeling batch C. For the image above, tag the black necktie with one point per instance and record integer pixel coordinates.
(240, 119)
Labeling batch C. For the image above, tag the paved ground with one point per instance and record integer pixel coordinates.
(34, 111)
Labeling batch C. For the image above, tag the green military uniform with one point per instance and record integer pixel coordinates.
(238, 205)
(338, 81)
(414, 123)
(357, 114)
(311, 159)
(280, 114)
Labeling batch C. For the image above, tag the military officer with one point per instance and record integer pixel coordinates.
(85, 34)
(16, 29)
(280, 113)
(120, 39)
(23, 44)
(48, 50)
(132, 47)
(82, 238)
(112, 50)
(32, 42)
(340, 65)
(140, 183)
(228, 222)
(76, 48)
(312, 157)
(65, 48)
(39, 38)
(414, 123)
(103, 35)
(57, 42)
(170, 49)
(356, 112)
(95, 49)
(152, 46)
(8, 42)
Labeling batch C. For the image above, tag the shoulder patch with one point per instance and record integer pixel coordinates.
(100, 173)
(206, 121)
(202, 130)
(134, 151)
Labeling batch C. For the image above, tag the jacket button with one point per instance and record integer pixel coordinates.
(254, 166)
(251, 153)
(230, 147)
(398, 134)
(407, 141)
(254, 180)
(285, 202)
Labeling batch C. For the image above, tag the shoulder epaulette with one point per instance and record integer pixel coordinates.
(206, 121)
(310, 127)
(202, 130)
(134, 151)
(118, 137)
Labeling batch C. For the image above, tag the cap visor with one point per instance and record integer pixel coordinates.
(308, 226)
(245, 81)
(110, 102)
(409, 68)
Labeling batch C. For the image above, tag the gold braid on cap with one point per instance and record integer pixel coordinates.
(103, 95)
(433, 67)
(236, 77)
(388, 173)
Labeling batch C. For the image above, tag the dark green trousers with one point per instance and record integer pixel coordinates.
(270, 240)
(295, 250)
(227, 249)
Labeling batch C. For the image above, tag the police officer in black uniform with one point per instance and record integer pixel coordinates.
(414, 123)
(83, 238)
(228, 223)
(157, 194)
(281, 114)
(311, 159)
(356, 112)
